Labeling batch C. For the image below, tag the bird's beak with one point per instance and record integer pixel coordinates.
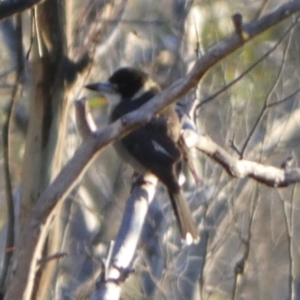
(106, 90)
(102, 87)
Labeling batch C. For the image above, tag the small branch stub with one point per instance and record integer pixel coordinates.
(237, 20)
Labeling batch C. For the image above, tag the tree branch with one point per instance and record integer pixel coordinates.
(241, 168)
(120, 264)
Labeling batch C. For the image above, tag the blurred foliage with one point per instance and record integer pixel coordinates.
(251, 230)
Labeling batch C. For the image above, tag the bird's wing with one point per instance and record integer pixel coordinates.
(151, 145)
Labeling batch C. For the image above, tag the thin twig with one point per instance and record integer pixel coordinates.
(255, 64)
(265, 106)
(11, 224)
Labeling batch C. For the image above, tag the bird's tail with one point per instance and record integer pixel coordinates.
(187, 226)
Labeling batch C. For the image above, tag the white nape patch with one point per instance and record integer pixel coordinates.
(148, 85)
(160, 149)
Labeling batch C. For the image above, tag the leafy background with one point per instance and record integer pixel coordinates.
(249, 246)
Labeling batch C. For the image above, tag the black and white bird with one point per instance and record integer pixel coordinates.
(154, 147)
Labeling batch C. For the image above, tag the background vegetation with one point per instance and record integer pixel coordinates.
(249, 246)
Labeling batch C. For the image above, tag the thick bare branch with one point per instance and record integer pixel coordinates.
(240, 168)
(120, 263)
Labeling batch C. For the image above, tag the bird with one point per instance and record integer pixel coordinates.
(153, 147)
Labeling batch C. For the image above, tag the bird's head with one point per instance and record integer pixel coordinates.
(125, 84)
